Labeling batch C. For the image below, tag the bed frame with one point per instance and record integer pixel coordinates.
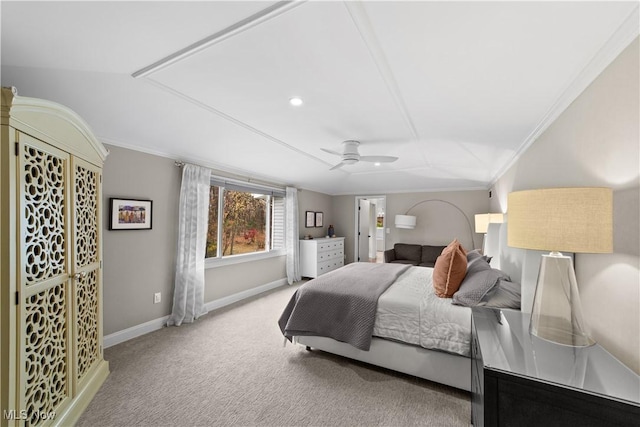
(433, 365)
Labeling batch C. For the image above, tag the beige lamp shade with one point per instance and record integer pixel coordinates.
(561, 219)
(568, 220)
(483, 220)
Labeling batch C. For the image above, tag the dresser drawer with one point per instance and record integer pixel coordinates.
(329, 255)
(330, 265)
(329, 246)
(319, 256)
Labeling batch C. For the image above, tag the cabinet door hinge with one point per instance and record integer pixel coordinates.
(17, 146)
(17, 298)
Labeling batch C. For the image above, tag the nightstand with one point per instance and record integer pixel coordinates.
(518, 379)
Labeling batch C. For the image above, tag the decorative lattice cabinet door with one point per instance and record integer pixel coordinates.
(45, 313)
(87, 272)
(51, 362)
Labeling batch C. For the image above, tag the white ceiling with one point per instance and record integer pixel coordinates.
(456, 90)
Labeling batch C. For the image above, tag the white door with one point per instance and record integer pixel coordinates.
(372, 229)
(363, 230)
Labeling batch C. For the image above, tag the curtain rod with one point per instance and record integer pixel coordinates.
(242, 180)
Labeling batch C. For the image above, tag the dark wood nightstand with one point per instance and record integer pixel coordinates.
(521, 380)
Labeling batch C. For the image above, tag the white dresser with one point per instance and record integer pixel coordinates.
(319, 256)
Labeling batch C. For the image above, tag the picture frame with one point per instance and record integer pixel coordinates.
(130, 214)
(310, 219)
(318, 220)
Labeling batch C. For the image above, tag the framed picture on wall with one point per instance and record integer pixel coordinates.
(130, 214)
(310, 219)
(318, 221)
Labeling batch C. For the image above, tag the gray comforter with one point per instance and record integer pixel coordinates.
(340, 304)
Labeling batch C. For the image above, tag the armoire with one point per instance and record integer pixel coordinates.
(51, 340)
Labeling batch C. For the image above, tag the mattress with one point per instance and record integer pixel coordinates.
(409, 311)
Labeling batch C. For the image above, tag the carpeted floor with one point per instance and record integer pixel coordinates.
(230, 369)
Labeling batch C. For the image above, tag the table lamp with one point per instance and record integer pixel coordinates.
(482, 222)
(560, 219)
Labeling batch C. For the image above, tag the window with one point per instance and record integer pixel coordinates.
(244, 219)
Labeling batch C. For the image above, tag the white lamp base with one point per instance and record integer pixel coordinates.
(556, 314)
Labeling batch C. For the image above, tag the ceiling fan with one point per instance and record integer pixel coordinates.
(351, 156)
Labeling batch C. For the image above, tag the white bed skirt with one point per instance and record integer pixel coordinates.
(432, 365)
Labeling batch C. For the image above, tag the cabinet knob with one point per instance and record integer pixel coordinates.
(77, 276)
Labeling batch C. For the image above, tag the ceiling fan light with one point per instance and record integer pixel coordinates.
(349, 161)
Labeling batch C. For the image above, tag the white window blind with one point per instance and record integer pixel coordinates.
(277, 223)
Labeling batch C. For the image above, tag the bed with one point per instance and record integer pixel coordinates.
(413, 332)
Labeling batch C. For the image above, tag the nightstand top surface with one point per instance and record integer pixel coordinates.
(507, 345)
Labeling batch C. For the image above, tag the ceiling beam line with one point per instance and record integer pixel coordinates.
(232, 30)
(365, 29)
(234, 120)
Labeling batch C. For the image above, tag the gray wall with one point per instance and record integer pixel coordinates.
(231, 279)
(317, 202)
(138, 264)
(437, 223)
(595, 142)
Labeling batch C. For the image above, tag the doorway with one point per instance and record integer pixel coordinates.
(370, 226)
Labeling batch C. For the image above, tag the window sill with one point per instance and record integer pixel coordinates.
(242, 258)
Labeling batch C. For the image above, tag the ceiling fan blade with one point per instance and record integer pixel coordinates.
(331, 152)
(380, 159)
(339, 165)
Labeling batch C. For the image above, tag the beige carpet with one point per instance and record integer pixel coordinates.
(230, 369)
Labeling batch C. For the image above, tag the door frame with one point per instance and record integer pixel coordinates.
(356, 222)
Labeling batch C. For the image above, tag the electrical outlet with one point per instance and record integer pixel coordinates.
(157, 297)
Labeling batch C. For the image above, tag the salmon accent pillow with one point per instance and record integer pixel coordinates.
(450, 269)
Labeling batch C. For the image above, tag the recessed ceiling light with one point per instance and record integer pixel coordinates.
(376, 164)
(295, 101)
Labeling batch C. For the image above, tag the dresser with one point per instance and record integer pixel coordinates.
(51, 245)
(319, 256)
(518, 379)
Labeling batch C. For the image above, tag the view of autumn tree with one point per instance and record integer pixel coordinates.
(243, 223)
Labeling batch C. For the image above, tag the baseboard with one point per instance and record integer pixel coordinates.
(134, 331)
(222, 302)
(154, 325)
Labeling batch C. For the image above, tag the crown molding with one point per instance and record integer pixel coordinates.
(228, 171)
(620, 40)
